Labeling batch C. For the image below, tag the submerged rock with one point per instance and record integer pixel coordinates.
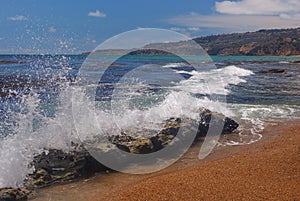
(278, 71)
(10, 62)
(14, 194)
(296, 62)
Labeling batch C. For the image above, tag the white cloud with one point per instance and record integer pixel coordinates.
(17, 18)
(236, 23)
(52, 30)
(97, 13)
(258, 7)
(244, 15)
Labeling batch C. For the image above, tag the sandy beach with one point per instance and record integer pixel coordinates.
(271, 172)
(266, 170)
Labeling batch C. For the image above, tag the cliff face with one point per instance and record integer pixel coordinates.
(281, 42)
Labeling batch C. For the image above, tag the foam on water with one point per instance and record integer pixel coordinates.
(253, 119)
(284, 62)
(32, 133)
(214, 81)
(175, 65)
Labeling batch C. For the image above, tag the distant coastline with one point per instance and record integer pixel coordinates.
(273, 42)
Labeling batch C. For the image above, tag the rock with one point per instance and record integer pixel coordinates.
(14, 194)
(169, 132)
(171, 127)
(2, 93)
(56, 166)
(279, 71)
(141, 146)
(9, 62)
(148, 145)
(205, 117)
(120, 138)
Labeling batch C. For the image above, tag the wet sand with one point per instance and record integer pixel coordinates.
(266, 170)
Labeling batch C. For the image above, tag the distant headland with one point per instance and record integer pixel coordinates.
(273, 42)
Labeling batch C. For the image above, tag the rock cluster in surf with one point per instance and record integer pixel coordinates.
(55, 166)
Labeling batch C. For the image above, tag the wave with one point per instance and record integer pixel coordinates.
(284, 62)
(175, 65)
(214, 81)
(254, 118)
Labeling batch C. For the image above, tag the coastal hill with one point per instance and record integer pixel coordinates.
(273, 42)
(277, 42)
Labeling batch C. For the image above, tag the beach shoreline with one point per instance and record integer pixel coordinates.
(229, 173)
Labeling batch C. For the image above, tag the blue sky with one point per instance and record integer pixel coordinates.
(74, 26)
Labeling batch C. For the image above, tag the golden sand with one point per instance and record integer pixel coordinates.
(271, 172)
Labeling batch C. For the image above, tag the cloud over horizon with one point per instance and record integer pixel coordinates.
(245, 15)
(235, 23)
(258, 7)
(97, 13)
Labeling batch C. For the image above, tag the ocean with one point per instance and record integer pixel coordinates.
(39, 93)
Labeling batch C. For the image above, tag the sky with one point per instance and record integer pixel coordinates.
(75, 26)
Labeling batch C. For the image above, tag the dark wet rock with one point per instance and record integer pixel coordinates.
(10, 62)
(117, 138)
(14, 194)
(141, 146)
(135, 145)
(171, 127)
(170, 130)
(278, 71)
(205, 121)
(56, 166)
(2, 93)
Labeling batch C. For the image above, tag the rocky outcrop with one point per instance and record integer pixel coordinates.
(3, 93)
(148, 145)
(55, 166)
(278, 71)
(9, 62)
(14, 194)
(206, 120)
